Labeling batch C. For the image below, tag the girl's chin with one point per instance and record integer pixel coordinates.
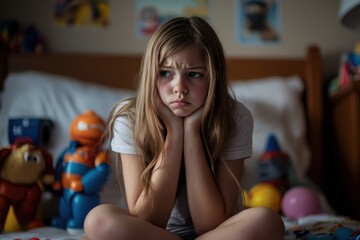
(181, 113)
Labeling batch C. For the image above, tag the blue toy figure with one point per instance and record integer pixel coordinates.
(36, 129)
(274, 165)
(80, 173)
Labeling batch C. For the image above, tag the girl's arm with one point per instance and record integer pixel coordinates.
(156, 205)
(211, 200)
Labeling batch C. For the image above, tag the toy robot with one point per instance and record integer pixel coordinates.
(80, 173)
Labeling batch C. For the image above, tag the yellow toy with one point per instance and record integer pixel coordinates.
(264, 195)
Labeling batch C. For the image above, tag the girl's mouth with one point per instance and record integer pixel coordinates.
(179, 104)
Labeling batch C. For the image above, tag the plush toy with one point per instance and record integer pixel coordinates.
(22, 166)
(81, 171)
(274, 165)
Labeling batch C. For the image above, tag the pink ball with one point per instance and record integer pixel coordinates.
(299, 202)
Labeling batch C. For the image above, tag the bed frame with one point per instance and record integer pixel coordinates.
(120, 70)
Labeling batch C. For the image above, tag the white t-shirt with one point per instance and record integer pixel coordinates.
(239, 147)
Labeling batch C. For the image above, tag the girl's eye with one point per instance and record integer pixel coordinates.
(195, 74)
(165, 74)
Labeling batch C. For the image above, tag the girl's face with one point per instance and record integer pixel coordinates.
(182, 83)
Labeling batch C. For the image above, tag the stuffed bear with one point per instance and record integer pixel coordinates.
(23, 168)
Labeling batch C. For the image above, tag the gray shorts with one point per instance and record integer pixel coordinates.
(188, 236)
(185, 232)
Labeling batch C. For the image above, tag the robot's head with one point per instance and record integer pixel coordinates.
(87, 128)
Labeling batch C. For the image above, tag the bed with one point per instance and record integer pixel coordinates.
(284, 95)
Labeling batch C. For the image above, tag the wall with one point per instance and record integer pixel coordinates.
(304, 22)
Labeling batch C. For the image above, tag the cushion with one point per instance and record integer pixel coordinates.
(275, 103)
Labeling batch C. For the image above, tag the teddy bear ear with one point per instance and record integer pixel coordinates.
(4, 153)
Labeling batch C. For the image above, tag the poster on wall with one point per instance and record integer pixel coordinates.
(259, 22)
(81, 13)
(150, 13)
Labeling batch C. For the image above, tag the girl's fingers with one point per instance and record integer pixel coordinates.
(194, 119)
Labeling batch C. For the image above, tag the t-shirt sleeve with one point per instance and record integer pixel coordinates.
(122, 140)
(240, 145)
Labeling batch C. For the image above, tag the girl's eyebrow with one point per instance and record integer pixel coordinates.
(191, 67)
(197, 67)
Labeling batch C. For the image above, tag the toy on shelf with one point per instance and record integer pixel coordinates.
(10, 35)
(349, 70)
(299, 202)
(263, 195)
(81, 171)
(24, 167)
(16, 39)
(274, 165)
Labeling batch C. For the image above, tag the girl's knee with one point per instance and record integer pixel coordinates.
(270, 221)
(101, 220)
(95, 220)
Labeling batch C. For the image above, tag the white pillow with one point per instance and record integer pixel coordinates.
(36, 94)
(275, 103)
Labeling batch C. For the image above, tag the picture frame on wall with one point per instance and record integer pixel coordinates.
(258, 22)
(79, 13)
(150, 13)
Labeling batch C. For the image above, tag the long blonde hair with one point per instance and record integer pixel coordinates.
(149, 133)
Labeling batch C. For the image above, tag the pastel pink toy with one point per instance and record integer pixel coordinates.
(299, 202)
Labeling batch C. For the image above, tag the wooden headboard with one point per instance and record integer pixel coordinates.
(120, 71)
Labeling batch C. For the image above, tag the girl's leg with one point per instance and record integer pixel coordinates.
(253, 223)
(111, 222)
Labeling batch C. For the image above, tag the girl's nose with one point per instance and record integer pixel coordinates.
(180, 86)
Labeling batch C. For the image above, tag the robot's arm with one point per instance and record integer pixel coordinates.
(93, 180)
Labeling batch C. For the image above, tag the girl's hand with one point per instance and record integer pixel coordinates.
(193, 121)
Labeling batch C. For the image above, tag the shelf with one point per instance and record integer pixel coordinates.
(352, 86)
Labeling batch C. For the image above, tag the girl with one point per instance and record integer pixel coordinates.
(182, 142)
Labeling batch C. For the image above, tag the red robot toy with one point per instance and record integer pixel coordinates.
(81, 171)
